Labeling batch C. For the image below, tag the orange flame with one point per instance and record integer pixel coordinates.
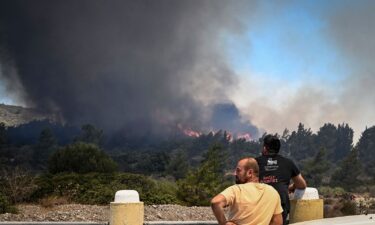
(229, 137)
(245, 136)
(189, 132)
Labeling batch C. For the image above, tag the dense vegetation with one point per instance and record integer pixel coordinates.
(49, 161)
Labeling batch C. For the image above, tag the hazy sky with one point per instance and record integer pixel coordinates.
(307, 61)
(292, 61)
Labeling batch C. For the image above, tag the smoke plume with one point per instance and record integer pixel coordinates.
(140, 65)
(348, 28)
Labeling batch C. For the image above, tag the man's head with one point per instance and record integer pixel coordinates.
(247, 170)
(271, 145)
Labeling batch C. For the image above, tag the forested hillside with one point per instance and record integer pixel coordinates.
(43, 160)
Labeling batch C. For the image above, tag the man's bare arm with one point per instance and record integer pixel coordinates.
(298, 183)
(217, 204)
(277, 219)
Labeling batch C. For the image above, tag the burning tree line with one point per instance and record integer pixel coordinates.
(192, 169)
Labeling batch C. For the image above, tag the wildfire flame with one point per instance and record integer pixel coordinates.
(189, 132)
(229, 136)
(245, 136)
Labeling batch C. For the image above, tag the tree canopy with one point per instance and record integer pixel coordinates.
(81, 158)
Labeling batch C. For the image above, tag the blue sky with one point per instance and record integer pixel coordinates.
(288, 44)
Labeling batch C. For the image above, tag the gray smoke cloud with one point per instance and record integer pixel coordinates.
(353, 29)
(134, 64)
(349, 28)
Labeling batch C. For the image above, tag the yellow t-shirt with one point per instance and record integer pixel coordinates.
(252, 203)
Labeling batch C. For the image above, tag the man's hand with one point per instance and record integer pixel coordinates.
(291, 188)
(298, 183)
(217, 204)
(230, 223)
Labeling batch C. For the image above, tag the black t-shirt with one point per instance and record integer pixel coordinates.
(277, 171)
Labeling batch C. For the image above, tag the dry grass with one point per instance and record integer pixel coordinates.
(52, 201)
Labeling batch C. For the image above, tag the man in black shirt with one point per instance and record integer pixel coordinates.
(277, 171)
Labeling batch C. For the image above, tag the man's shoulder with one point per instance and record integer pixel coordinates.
(284, 158)
(270, 189)
(244, 186)
(260, 158)
(276, 157)
(237, 187)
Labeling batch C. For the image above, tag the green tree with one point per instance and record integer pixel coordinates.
(327, 138)
(47, 144)
(348, 174)
(316, 169)
(3, 134)
(344, 143)
(284, 150)
(153, 162)
(203, 183)
(81, 158)
(241, 148)
(338, 141)
(178, 165)
(3, 140)
(300, 144)
(90, 134)
(366, 150)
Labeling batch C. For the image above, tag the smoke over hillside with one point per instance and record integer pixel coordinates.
(142, 65)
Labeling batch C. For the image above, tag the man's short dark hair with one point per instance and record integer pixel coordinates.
(272, 144)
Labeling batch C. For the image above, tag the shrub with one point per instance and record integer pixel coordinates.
(203, 183)
(331, 192)
(200, 186)
(164, 192)
(349, 208)
(81, 158)
(372, 205)
(17, 184)
(5, 206)
(99, 188)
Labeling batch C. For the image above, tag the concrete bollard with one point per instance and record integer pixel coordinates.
(305, 205)
(126, 209)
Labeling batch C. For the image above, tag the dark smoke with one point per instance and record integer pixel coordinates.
(227, 117)
(139, 65)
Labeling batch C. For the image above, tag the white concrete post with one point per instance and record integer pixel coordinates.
(126, 209)
(305, 205)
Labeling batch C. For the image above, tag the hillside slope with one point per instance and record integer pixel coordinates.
(15, 115)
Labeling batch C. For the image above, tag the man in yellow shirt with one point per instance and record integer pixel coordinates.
(250, 202)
